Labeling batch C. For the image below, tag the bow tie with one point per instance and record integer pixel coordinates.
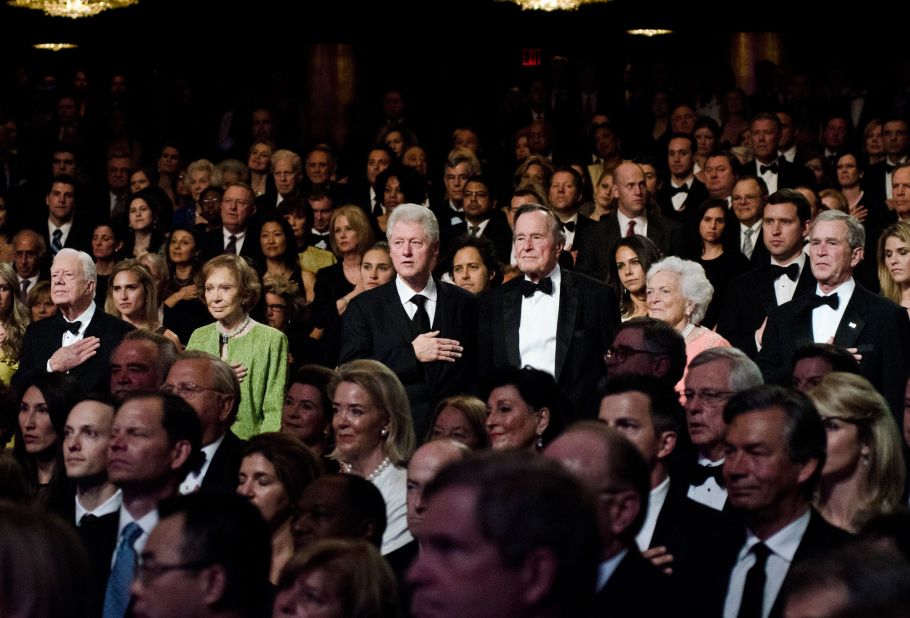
(569, 225)
(767, 168)
(700, 474)
(72, 327)
(675, 190)
(890, 168)
(529, 287)
(832, 301)
(791, 271)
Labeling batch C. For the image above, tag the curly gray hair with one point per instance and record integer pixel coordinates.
(693, 283)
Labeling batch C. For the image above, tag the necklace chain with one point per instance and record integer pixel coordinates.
(225, 337)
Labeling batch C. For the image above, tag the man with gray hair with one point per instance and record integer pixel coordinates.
(140, 362)
(841, 312)
(713, 377)
(80, 337)
(420, 327)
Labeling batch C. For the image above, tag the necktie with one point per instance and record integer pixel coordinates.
(748, 246)
(832, 301)
(700, 474)
(754, 590)
(117, 596)
(421, 319)
(767, 168)
(630, 231)
(474, 230)
(56, 242)
(681, 189)
(791, 271)
(528, 288)
(232, 245)
(23, 294)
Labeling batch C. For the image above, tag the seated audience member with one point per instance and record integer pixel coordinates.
(106, 245)
(28, 260)
(472, 264)
(143, 228)
(531, 532)
(298, 212)
(650, 347)
(633, 257)
(813, 361)
(425, 464)
(86, 437)
(714, 377)
(374, 437)
(307, 410)
(348, 577)
(614, 470)
(482, 218)
(223, 545)
(461, 418)
(525, 410)
(864, 473)
(377, 268)
(132, 296)
(44, 566)
(893, 263)
(181, 308)
(40, 304)
(140, 362)
(279, 251)
(395, 186)
(274, 471)
(339, 506)
(210, 386)
(14, 319)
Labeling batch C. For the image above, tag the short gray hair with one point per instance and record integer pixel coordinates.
(556, 227)
(224, 379)
(414, 213)
(744, 373)
(693, 283)
(856, 234)
(88, 265)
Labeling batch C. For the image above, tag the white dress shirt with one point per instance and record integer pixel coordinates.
(756, 228)
(680, 198)
(570, 235)
(537, 329)
(147, 522)
(709, 493)
(641, 224)
(769, 177)
(110, 505)
(193, 480)
(70, 338)
(784, 287)
(239, 238)
(656, 499)
(606, 569)
(405, 293)
(825, 320)
(65, 230)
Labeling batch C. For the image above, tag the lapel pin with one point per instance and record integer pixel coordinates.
(852, 325)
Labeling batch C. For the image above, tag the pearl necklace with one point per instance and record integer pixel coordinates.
(385, 463)
(687, 330)
(225, 337)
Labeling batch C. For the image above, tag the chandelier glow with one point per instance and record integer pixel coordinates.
(553, 5)
(73, 9)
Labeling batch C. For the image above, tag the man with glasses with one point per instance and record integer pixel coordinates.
(714, 376)
(748, 198)
(647, 346)
(210, 387)
(236, 234)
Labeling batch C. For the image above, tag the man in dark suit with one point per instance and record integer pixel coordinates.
(65, 226)
(595, 245)
(79, 338)
(754, 294)
(565, 198)
(777, 172)
(877, 177)
(287, 171)
(841, 312)
(775, 454)
(684, 193)
(614, 470)
(140, 362)
(237, 232)
(482, 218)
(209, 385)
(551, 319)
(747, 200)
(421, 328)
(460, 167)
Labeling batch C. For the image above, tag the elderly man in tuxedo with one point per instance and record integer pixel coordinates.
(555, 320)
(80, 337)
(841, 312)
(422, 328)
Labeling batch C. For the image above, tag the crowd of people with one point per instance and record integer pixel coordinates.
(636, 358)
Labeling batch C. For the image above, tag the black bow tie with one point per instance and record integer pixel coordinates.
(832, 301)
(569, 225)
(890, 168)
(792, 271)
(675, 190)
(72, 327)
(529, 287)
(767, 168)
(700, 474)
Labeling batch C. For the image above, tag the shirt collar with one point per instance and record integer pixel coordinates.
(785, 541)
(555, 276)
(85, 317)
(405, 293)
(845, 290)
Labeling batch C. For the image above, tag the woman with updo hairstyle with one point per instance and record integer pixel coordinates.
(462, 418)
(349, 578)
(864, 471)
(14, 319)
(274, 471)
(307, 410)
(525, 408)
(132, 296)
(196, 179)
(43, 409)
(894, 263)
(106, 246)
(633, 255)
(279, 250)
(40, 304)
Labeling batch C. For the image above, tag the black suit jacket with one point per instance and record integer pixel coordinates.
(497, 232)
(637, 589)
(789, 175)
(760, 254)
(596, 243)
(750, 299)
(697, 194)
(877, 327)
(213, 244)
(99, 537)
(873, 181)
(588, 313)
(376, 325)
(79, 238)
(221, 475)
(43, 338)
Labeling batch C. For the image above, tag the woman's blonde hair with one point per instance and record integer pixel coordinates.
(17, 318)
(889, 288)
(150, 311)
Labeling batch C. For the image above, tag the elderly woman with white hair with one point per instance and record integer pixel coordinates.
(678, 293)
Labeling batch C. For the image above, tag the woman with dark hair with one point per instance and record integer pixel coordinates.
(394, 186)
(307, 410)
(473, 265)
(279, 251)
(106, 246)
(39, 438)
(720, 265)
(299, 214)
(143, 224)
(142, 178)
(707, 141)
(397, 138)
(183, 312)
(633, 257)
(169, 166)
(525, 408)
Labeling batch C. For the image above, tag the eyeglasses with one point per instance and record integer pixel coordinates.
(276, 307)
(185, 390)
(712, 398)
(620, 353)
(744, 199)
(146, 572)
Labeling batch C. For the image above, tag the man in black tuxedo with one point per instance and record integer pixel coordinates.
(65, 226)
(210, 387)
(777, 172)
(554, 320)
(565, 198)
(87, 434)
(775, 454)
(421, 328)
(877, 177)
(615, 471)
(80, 337)
(237, 232)
(595, 244)
(460, 167)
(680, 198)
(841, 312)
(786, 275)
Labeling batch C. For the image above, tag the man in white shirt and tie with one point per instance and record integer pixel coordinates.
(29, 250)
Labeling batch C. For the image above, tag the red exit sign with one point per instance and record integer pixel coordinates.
(530, 57)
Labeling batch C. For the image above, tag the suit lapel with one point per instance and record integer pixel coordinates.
(852, 322)
(802, 328)
(398, 316)
(511, 309)
(565, 327)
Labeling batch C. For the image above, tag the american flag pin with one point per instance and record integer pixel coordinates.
(852, 325)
